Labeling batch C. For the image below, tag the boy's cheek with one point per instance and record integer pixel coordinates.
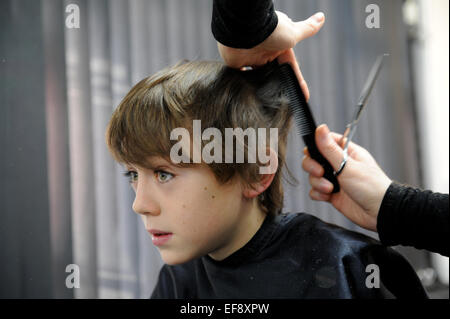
(200, 199)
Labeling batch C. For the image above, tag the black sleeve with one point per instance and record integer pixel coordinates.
(243, 23)
(413, 217)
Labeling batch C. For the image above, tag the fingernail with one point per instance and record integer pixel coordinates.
(324, 131)
(318, 171)
(319, 17)
(325, 185)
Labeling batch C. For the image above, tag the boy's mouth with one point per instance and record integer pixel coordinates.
(157, 232)
(159, 237)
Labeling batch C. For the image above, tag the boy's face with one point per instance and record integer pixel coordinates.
(201, 215)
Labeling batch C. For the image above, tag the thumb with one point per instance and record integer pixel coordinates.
(328, 147)
(309, 27)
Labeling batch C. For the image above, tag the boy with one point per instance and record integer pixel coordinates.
(218, 224)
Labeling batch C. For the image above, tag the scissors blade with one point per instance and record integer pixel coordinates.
(370, 82)
(368, 86)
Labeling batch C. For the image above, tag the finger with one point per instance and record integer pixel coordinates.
(315, 195)
(309, 27)
(328, 146)
(288, 56)
(352, 147)
(305, 90)
(312, 167)
(305, 151)
(299, 74)
(321, 184)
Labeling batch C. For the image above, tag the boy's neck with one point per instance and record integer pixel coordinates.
(251, 222)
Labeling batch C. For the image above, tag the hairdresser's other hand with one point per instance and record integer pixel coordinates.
(278, 45)
(363, 183)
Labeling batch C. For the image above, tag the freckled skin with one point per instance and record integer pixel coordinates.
(210, 225)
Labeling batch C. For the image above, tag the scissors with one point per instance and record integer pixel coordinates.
(364, 97)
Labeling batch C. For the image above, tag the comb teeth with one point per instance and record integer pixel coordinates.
(297, 101)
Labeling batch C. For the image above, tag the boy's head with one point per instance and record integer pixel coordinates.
(210, 199)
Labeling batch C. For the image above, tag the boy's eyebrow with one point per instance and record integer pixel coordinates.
(154, 162)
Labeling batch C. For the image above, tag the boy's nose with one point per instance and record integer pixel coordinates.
(144, 203)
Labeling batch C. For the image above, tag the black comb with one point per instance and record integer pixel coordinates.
(304, 119)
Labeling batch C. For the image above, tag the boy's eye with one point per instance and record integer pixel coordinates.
(132, 176)
(163, 176)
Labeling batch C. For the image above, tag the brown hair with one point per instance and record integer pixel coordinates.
(219, 96)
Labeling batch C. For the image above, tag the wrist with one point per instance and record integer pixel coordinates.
(382, 191)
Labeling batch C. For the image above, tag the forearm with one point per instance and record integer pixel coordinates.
(243, 23)
(413, 217)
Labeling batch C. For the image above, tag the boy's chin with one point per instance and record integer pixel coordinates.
(170, 258)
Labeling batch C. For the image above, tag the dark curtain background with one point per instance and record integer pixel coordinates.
(62, 198)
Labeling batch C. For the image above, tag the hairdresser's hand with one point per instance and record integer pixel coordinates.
(363, 183)
(278, 45)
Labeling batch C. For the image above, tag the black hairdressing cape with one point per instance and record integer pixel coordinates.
(296, 256)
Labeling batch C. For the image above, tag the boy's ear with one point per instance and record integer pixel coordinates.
(265, 179)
